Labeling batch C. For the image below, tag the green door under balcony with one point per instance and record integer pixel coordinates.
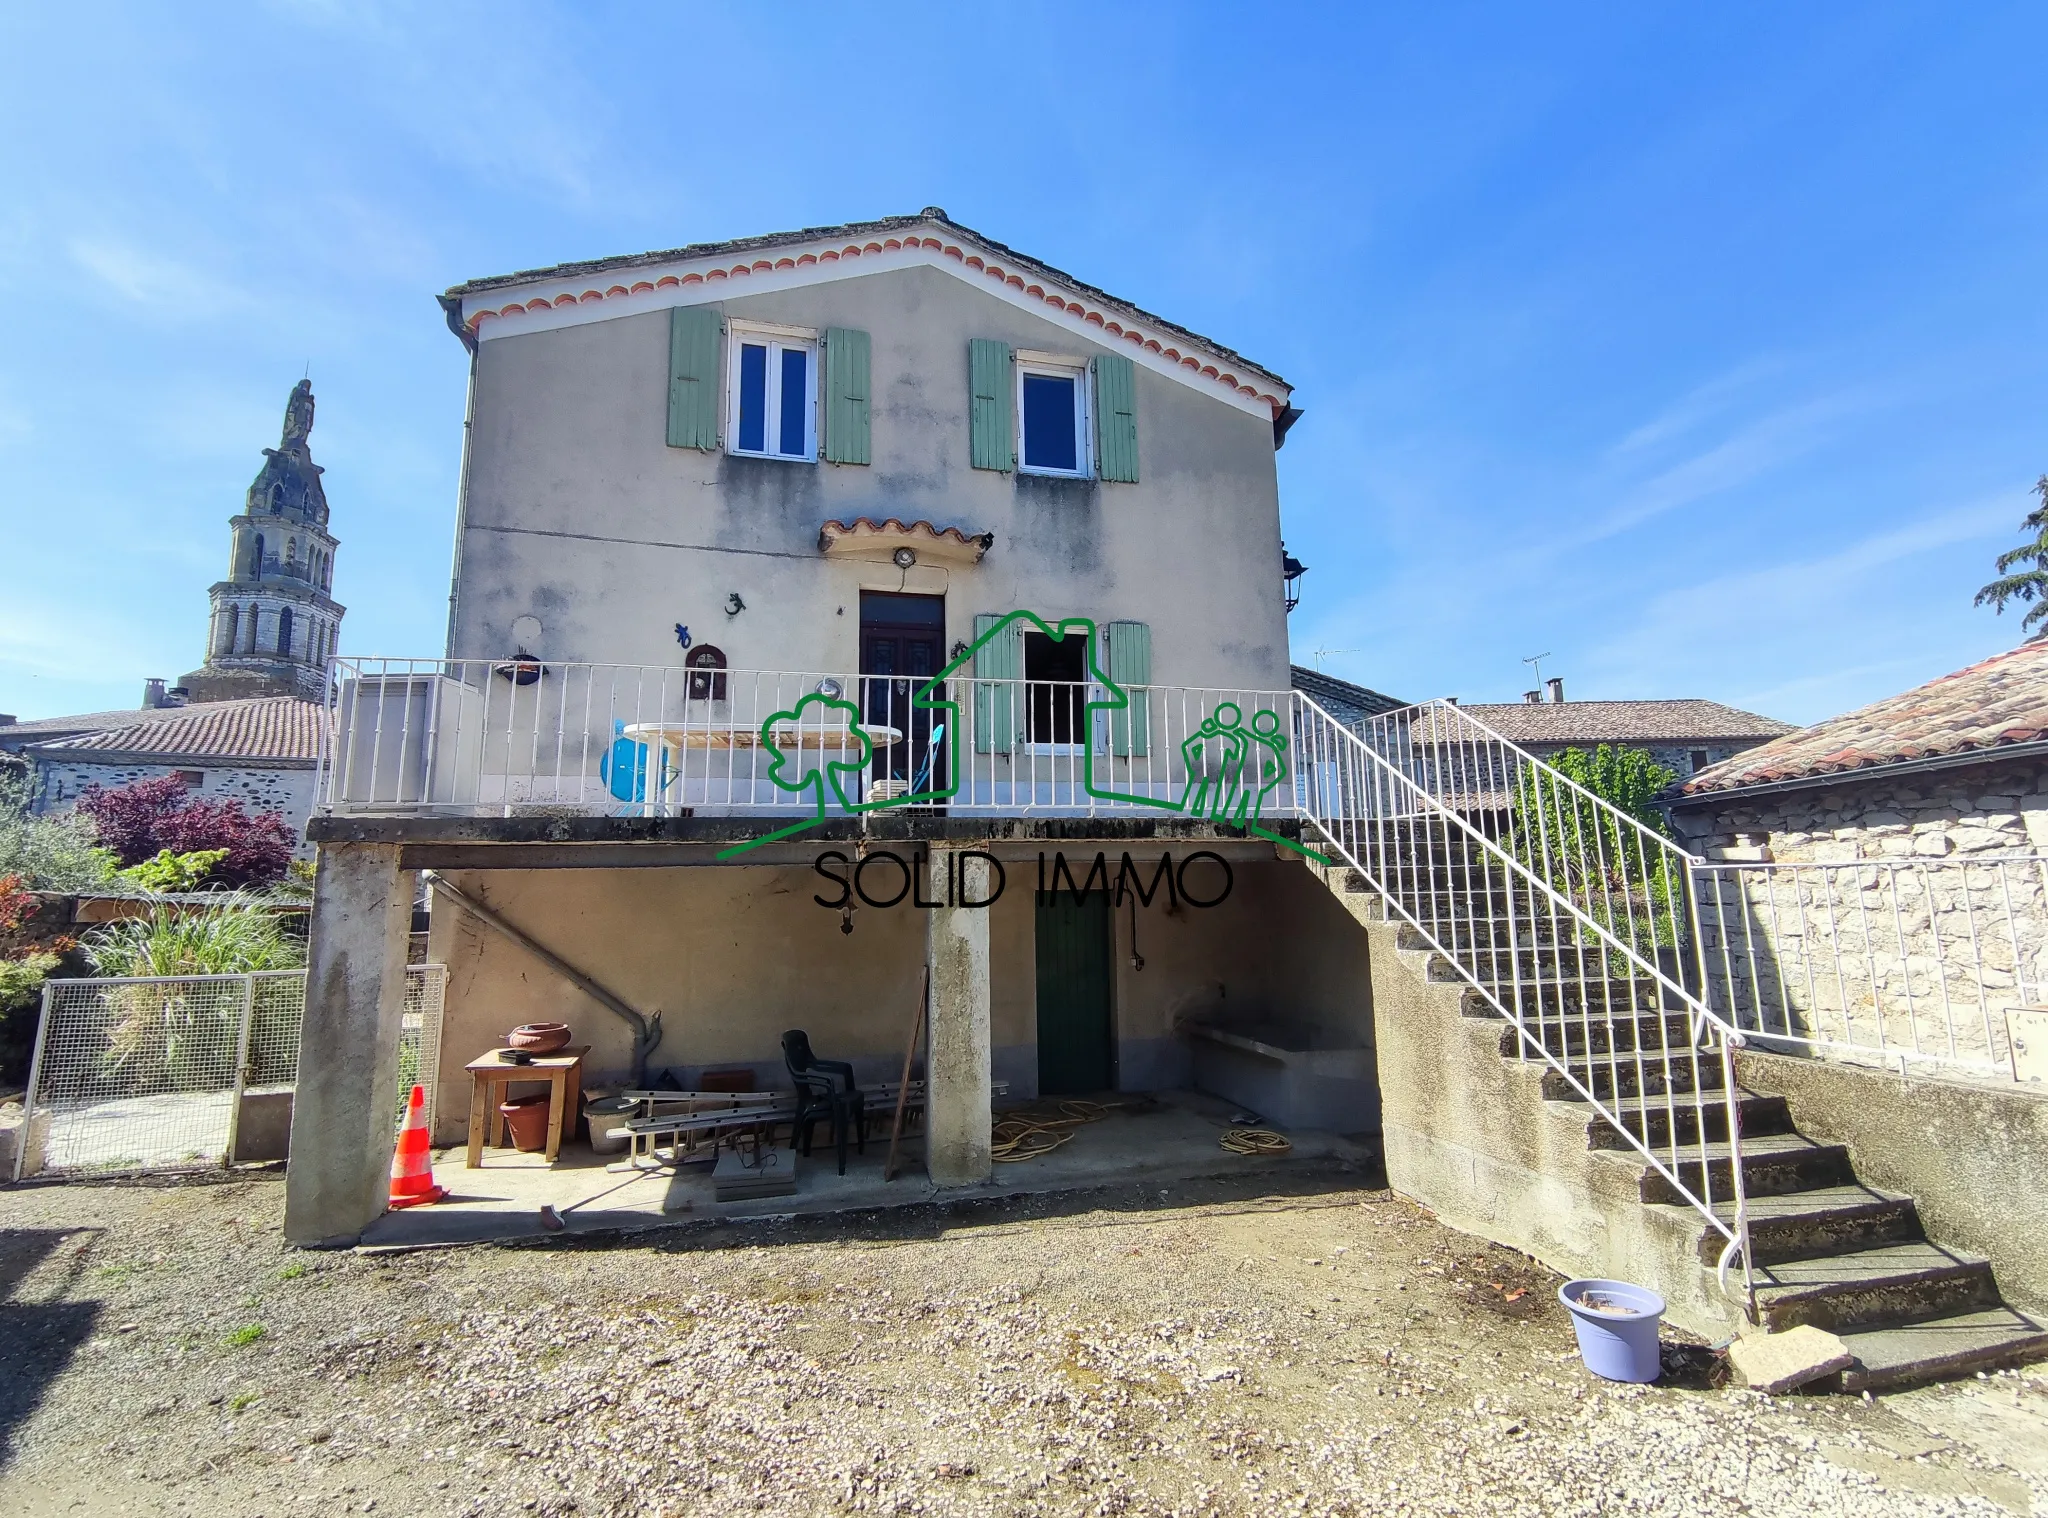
(1076, 1042)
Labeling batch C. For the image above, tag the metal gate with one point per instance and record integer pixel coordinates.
(142, 1074)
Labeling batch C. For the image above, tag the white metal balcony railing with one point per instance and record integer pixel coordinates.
(1905, 962)
(439, 737)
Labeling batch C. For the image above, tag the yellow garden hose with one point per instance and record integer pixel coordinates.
(1032, 1131)
(1255, 1141)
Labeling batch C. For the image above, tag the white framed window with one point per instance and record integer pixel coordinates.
(1053, 432)
(771, 391)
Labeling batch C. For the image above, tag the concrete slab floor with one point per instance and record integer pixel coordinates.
(1166, 1138)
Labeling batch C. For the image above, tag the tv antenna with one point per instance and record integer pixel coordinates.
(1535, 662)
(1324, 653)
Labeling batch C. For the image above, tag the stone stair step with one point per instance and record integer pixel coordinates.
(1827, 1220)
(1576, 1036)
(1773, 1164)
(1596, 999)
(1889, 1283)
(1660, 1124)
(1955, 1344)
(1627, 1075)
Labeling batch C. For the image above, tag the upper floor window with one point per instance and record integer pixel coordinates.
(1052, 415)
(772, 392)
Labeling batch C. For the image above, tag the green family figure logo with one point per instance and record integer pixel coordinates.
(1232, 767)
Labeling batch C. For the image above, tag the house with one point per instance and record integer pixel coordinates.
(871, 629)
(260, 752)
(1684, 736)
(819, 600)
(1348, 703)
(1901, 843)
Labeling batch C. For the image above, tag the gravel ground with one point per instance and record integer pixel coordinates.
(1208, 1350)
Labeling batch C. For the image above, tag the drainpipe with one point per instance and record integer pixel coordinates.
(646, 1030)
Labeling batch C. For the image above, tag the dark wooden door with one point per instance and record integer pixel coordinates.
(902, 643)
(1076, 1039)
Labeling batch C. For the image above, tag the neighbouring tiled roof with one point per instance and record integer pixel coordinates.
(1341, 698)
(1581, 722)
(84, 722)
(858, 232)
(2000, 702)
(273, 728)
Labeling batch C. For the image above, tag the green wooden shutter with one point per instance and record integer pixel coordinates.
(1116, 418)
(846, 397)
(996, 706)
(991, 429)
(1130, 666)
(693, 376)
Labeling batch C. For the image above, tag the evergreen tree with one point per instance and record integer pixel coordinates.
(2028, 584)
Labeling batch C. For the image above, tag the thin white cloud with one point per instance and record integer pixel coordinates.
(152, 279)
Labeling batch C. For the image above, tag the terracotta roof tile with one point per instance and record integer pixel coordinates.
(264, 727)
(1581, 722)
(837, 534)
(1994, 704)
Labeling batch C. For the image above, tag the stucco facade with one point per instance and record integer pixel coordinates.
(579, 514)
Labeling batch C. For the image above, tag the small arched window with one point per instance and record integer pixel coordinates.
(284, 633)
(256, 559)
(705, 664)
(291, 556)
(229, 627)
(277, 499)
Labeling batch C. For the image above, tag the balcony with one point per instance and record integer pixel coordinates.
(513, 738)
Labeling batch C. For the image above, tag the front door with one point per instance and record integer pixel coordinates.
(902, 639)
(1076, 1042)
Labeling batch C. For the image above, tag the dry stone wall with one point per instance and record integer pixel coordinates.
(1881, 918)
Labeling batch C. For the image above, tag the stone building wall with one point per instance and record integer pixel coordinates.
(260, 788)
(1881, 918)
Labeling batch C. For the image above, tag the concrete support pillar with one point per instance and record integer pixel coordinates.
(957, 1070)
(339, 1172)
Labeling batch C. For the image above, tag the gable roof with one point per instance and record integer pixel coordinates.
(1341, 698)
(571, 293)
(1582, 722)
(279, 730)
(1996, 704)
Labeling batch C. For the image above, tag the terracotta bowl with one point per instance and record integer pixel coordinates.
(539, 1038)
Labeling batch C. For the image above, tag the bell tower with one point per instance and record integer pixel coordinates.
(274, 624)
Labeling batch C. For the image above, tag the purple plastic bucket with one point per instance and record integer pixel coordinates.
(1620, 1343)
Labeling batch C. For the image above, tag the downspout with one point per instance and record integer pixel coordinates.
(453, 309)
(646, 1030)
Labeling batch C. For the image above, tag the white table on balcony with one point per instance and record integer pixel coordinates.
(679, 737)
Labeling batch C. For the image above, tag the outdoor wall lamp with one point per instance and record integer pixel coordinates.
(1291, 571)
(830, 688)
(904, 558)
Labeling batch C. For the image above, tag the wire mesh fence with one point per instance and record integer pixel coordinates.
(150, 1074)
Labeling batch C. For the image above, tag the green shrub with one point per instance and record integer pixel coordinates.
(1618, 875)
(173, 1036)
(21, 1001)
(173, 872)
(48, 853)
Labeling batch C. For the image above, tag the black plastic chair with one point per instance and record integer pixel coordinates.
(824, 1088)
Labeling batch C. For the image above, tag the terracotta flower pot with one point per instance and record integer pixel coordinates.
(539, 1038)
(526, 1117)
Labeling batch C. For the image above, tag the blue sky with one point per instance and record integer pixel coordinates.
(1699, 346)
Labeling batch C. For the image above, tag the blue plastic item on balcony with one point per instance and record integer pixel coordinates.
(624, 768)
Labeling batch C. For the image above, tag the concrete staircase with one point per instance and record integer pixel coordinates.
(1828, 1250)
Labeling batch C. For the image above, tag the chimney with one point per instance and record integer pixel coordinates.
(1450, 701)
(1556, 686)
(1533, 697)
(152, 694)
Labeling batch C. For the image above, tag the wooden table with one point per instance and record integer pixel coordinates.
(562, 1072)
(677, 737)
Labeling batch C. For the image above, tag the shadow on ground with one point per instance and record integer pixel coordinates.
(1338, 1181)
(38, 1339)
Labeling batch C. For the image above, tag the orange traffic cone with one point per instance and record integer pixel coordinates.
(412, 1167)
